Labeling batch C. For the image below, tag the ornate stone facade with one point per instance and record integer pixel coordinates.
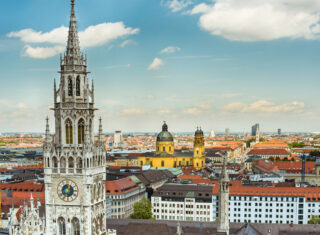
(74, 162)
(26, 220)
(224, 183)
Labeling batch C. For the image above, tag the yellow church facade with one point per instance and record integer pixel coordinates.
(166, 156)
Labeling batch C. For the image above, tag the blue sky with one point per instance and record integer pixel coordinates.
(215, 64)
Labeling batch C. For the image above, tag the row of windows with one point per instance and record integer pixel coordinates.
(69, 130)
(70, 87)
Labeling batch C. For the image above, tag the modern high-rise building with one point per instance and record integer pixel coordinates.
(117, 139)
(227, 132)
(254, 129)
(279, 131)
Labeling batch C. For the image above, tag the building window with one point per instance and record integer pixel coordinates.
(62, 226)
(70, 87)
(81, 131)
(69, 135)
(141, 163)
(78, 86)
(162, 163)
(70, 163)
(75, 227)
(163, 148)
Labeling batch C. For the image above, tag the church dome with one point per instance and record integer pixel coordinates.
(198, 132)
(164, 135)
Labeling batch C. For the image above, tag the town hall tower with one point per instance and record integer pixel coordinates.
(74, 162)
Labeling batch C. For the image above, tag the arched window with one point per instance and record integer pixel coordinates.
(75, 227)
(62, 226)
(162, 163)
(79, 165)
(55, 162)
(62, 165)
(70, 162)
(78, 86)
(81, 131)
(69, 132)
(48, 162)
(163, 148)
(70, 91)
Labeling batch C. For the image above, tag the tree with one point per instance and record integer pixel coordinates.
(142, 209)
(249, 141)
(271, 159)
(314, 220)
(285, 159)
(278, 159)
(296, 145)
(315, 153)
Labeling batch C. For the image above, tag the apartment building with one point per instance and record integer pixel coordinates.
(123, 194)
(183, 202)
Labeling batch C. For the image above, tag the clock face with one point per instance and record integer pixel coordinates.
(67, 190)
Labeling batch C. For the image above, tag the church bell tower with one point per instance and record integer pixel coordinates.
(74, 162)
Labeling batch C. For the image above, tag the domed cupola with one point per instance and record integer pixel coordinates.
(164, 143)
(198, 132)
(165, 135)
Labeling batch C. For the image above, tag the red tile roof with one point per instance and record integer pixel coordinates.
(268, 152)
(120, 186)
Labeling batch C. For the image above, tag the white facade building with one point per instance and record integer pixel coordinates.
(117, 139)
(183, 202)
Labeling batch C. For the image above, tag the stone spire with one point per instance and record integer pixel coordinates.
(223, 221)
(100, 130)
(47, 131)
(73, 53)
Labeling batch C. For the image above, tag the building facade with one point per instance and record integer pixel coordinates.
(183, 202)
(166, 156)
(124, 193)
(74, 163)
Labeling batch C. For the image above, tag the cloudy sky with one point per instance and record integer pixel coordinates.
(215, 64)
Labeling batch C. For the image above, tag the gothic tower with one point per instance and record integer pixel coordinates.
(74, 163)
(198, 149)
(223, 221)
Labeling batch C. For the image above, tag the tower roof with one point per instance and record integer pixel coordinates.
(198, 132)
(164, 135)
(224, 177)
(73, 52)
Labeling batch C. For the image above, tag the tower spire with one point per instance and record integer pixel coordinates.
(223, 221)
(73, 54)
(100, 130)
(47, 138)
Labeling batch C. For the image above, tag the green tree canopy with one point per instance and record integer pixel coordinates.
(314, 220)
(142, 210)
(315, 153)
(296, 145)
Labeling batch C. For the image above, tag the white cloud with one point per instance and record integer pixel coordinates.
(260, 20)
(132, 111)
(94, 35)
(263, 106)
(231, 95)
(164, 111)
(170, 49)
(177, 5)
(156, 64)
(42, 52)
(127, 42)
(205, 106)
(193, 111)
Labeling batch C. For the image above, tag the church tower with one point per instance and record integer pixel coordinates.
(74, 162)
(223, 221)
(198, 150)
